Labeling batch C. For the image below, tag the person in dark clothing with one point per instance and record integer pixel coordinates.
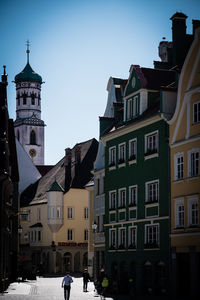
(86, 278)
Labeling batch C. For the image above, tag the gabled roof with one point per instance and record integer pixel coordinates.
(80, 175)
(27, 74)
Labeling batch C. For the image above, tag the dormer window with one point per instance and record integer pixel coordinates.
(132, 107)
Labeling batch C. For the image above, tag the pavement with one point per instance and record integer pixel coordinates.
(49, 288)
(45, 288)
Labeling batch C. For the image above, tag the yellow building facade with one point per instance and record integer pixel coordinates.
(185, 176)
(55, 232)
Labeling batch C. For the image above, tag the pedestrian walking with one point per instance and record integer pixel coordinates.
(86, 278)
(66, 283)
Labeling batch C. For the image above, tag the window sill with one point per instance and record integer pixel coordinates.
(131, 162)
(112, 168)
(152, 203)
(121, 165)
(149, 156)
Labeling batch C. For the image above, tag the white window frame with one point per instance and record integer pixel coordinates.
(179, 166)
(132, 154)
(70, 212)
(122, 153)
(122, 198)
(112, 156)
(179, 214)
(148, 194)
(111, 193)
(129, 108)
(193, 200)
(122, 237)
(197, 117)
(147, 233)
(112, 238)
(132, 187)
(148, 143)
(131, 241)
(135, 106)
(191, 171)
(70, 234)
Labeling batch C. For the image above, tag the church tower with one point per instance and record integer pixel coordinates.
(29, 128)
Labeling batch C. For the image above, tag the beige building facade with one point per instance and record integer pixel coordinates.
(185, 176)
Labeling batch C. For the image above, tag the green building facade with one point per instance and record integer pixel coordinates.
(137, 192)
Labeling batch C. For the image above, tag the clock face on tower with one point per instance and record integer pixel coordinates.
(32, 153)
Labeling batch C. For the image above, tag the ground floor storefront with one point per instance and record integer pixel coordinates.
(146, 272)
(58, 259)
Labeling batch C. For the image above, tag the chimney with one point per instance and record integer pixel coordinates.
(68, 176)
(196, 24)
(178, 37)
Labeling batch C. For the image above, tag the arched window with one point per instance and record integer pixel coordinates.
(32, 137)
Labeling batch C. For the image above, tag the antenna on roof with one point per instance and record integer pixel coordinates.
(27, 51)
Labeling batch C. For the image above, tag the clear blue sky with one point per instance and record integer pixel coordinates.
(76, 45)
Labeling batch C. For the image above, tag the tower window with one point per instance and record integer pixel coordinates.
(32, 100)
(32, 137)
(24, 100)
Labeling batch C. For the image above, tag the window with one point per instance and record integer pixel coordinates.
(70, 213)
(112, 239)
(122, 238)
(18, 100)
(152, 191)
(53, 212)
(85, 212)
(97, 186)
(112, 196)
(196, 112)
(132, 237)
(32, 137)
(152, 236)
(112, 156)
(179, 213)
(58, 213)
(193, 211)
(122, 198)
(24, 217)
(70, 234)
(129, 109)
(151, 143)
(39, 236)
(133, 195)
(193, 162)
(24, 100)
(178, 166)
(132, 149)
(32, 100)
(85, 235)
(121, 153)
(132, 108)
(98, 223)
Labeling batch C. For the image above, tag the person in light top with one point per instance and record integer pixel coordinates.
(66, 283)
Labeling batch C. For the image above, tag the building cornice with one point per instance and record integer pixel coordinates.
(130, 127)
